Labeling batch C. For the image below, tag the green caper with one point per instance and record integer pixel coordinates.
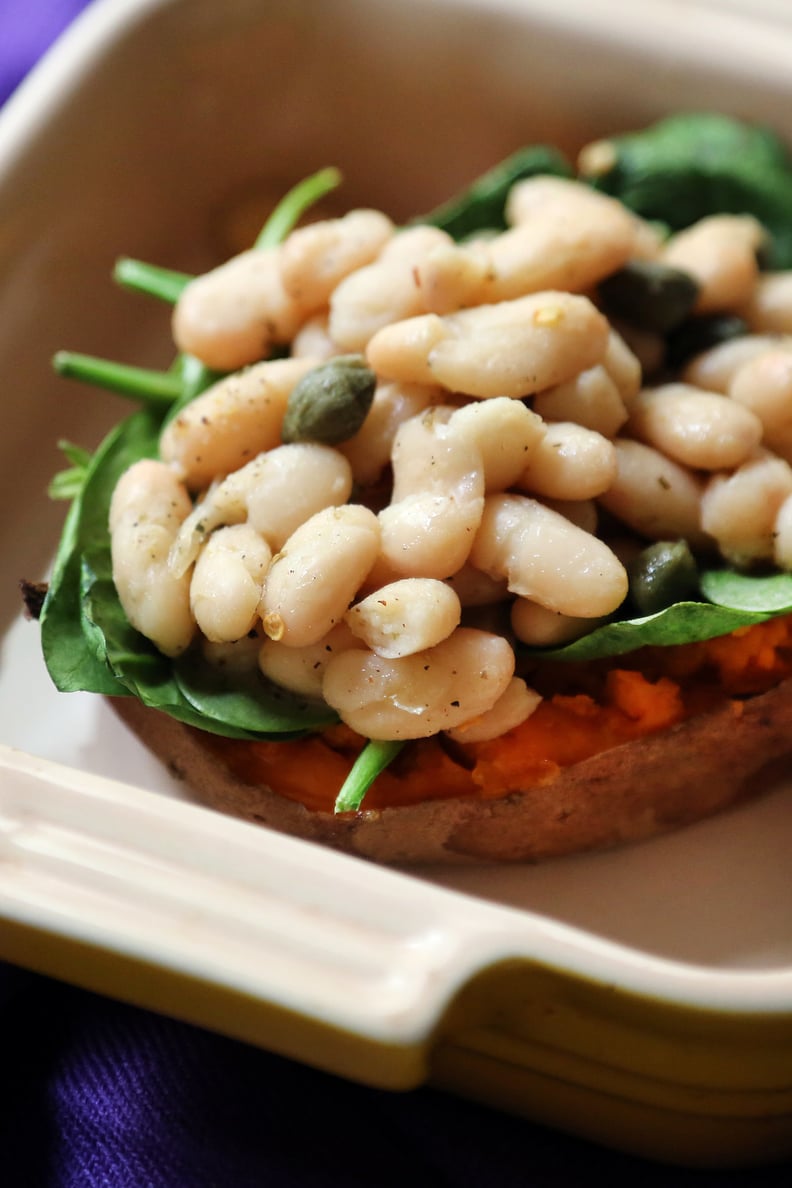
(699, 334)
(662, 574)
(650, 295)
(330, 402)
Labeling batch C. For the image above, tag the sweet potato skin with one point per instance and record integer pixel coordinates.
(630, 792)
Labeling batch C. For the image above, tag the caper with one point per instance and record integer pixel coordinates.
(650, 295)
(661, 574)
(330, 402)
(699, 334)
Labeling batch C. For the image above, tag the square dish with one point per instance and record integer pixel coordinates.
(642, 998)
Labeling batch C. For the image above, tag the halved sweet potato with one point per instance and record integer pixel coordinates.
(640, 788)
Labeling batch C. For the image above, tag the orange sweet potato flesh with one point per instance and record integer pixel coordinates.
(616, 752)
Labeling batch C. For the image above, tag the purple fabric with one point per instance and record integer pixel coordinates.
(96, 1094)
(27, 28)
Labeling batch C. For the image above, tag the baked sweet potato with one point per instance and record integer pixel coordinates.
(630, 792)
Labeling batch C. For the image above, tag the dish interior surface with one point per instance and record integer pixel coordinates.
(165, 139)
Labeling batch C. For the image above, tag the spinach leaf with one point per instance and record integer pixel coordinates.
(248, 703)
(768, 593)
(72, 649)
(733, 599)
(189, 688)
(481, 206)
(700, 163)
(684, 622)
(67, 484)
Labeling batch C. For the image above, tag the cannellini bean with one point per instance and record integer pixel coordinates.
(313, 580)
(296, 482)
(597, 158)
(571, 238)
(227, 582)
(315, 259)
(147, 509)
(383, 292)
(301, 670)
(719, 251)
(505, 432)
(428, 534)
(764, 385)
(700, 429)
(542, 628)
(515, 348)
(453, 275)
(542, 191)
(782, 535)
(547, 558)
(417, 696)
(514, 706)
(715, 368)
(536, 194)
(739, 510)
(570, 462)
(598, 397)
(313, 341)
(655, 496)
(230, 422)
(568, 198)
(424, 455)
(623, 366)
(369, 450)
(591, 399)
(276, 492)
(769, 310)
(233, 315)
(437, 499)
(570, 246)
(406, 616)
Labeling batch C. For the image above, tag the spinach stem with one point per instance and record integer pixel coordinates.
(294, 204)
(163, 283)
(138, 383)
(374, 758)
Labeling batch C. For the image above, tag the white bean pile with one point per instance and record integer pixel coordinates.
(392, 572)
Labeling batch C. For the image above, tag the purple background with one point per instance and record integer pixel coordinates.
(95, 1094)
(27, 28)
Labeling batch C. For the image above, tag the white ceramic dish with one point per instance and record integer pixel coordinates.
(642, 998)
